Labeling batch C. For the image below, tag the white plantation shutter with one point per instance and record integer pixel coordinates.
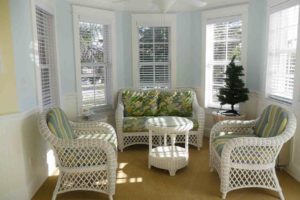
(223, 40)
(154, 61)
(47, 59)
(95, 52)
(283, 32)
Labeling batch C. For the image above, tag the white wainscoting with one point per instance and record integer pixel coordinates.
(23, 163)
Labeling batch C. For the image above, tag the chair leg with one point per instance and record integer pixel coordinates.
(224, 195)
(110, 197)
(56, 187)
(279, 190)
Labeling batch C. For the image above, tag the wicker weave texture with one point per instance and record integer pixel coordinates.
(248, 161)
(84, 164)
(126, 139)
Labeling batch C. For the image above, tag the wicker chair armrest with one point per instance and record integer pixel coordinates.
(251, 150)
(72, 151)
(199, 114)
(237, 126)
(119, 116)
(82, 128)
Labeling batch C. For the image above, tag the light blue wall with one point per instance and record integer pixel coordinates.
(124, 50)
(256, 44)
(184, 68)
(23, 53)
(196, 47)
(65, 41)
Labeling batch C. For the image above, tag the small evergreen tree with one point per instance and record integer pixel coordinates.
(234, 90)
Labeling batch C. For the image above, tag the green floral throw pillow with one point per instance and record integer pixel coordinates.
(140, 103)
(175, 103)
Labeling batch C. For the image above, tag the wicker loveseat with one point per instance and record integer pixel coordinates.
(86, 153)
(136, 106)
(244, 153)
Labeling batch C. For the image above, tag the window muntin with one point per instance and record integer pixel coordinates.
(223, 40)
(154, 60)
(95, 48)
(283, 34)
(46, 58)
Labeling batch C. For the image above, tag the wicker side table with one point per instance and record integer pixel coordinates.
(166, 157)
(219, 117)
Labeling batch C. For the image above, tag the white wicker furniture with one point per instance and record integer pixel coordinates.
(248, 161)
(171, 157)
(126, 139)
(88, 162)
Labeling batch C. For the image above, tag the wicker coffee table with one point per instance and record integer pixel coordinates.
(167, 157)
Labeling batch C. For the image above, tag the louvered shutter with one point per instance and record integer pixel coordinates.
(46, 58)
(154, 61)
(283, 32)
(223, 40)
(95, 52)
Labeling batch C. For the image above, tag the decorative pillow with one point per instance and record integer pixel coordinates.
(175, 103)
(272, 122)
(140, 103)
(59, 125)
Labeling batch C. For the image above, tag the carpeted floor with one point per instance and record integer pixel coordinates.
(195, 182)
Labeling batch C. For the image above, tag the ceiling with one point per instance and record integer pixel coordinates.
(156, 6)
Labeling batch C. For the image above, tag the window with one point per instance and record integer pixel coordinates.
(95, 62)
(46, 58)
(223, 41)
(283, 33)
(154, 63)
(154, 50)
(94, 42)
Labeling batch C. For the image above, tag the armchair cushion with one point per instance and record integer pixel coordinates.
(272, 122)
(137, 124)
(140, 103)
(175, 103)
(59, 125)
(220, 141)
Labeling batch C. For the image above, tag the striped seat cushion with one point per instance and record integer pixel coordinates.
(272, 122)
(220, 141)
(59, 125)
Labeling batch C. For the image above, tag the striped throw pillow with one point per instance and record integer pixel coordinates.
(272, 122)
(59, 125)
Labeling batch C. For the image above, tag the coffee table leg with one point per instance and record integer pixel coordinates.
(165, 139)
(172, 172)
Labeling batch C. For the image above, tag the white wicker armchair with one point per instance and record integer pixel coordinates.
(88, 162)
(247, 160)
(126, 139)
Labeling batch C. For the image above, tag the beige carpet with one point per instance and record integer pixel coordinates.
(136, 182)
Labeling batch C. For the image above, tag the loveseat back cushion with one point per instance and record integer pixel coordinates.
(140, 103)
(175, 103)
(272, 122)
(59, 125)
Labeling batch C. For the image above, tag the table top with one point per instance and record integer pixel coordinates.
(169, 124)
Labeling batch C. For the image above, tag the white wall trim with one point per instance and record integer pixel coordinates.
(239, 10)
(20, 115)
(95, 16)
(153, 20)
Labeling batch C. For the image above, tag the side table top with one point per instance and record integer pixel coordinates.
(167, 124)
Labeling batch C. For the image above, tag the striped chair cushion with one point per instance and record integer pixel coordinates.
(59, 125)
(220, 141)
(272, 122)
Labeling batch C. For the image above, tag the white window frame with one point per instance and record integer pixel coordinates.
(155, 20)
(100, 17)
(48, 6)
(207, 16)
(274, 6)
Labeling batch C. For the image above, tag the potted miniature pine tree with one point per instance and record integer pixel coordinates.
(234, 90)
